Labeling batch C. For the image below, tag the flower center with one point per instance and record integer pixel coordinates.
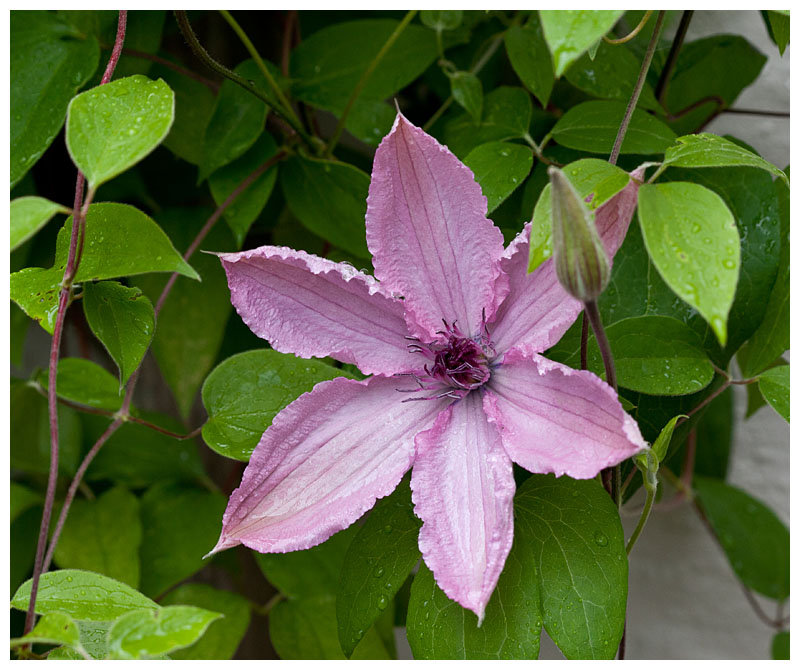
(457, 364)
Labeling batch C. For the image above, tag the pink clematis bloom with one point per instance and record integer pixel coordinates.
(458, 388)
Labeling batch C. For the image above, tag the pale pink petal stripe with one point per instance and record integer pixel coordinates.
(463, 490)
(312, 307)
(428, 233)
(553, 418)
(537, 311)
(323, 462)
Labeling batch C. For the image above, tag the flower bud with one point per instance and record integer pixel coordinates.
(582, 265)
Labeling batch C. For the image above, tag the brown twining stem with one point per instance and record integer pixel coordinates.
(175, 67)
(288, 35)
(124, 413)
(637, 89)
(65, 293)
(584, 342)
(672, 57)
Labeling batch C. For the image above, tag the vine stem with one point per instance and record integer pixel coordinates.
(65, 293)
(672, 57)
(337, 133)
(124, 413)
(637, 89)
(633, 32)
(645, 515)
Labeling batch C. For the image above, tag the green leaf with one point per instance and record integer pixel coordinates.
(54, 628)
(378, 561)
(439, 628)
(661, 445)
(241, 213)
(29, 215)
(103, 536)
(440, 20)
(755, 541)
(780, 643)
(236, 122)
(570, 33)
(612, 74)
(370, 120)
(93, 639)
(244, 393)
(138, 456)
(778, 25)
(191, 324)
(714, 434)
(326, 66)
(590, 177)
(224, 635)
(467, 91)
(122, 319)
(112, 127)
(570, 530)
(50, 61)
(22, 499)
(311, 573)
(506, 115)
(774, 386)
(151, 633)
(83, 595)
(720, 66)
(23, 536)
(592, 126)
(83, 381)
(657, 355)
(181, 524)
(706, 150)
(330, 199)
(499, 168)
(531, 58)
(18, 334)
(120, 241)
(693, 241)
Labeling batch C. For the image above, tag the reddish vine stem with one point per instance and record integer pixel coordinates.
(65, 292)
(124, 413)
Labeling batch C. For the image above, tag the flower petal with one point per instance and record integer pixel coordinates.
(323, 462)
(429, 235)
(555, 419)
(463, 490)
(310, 306)
(537, 311)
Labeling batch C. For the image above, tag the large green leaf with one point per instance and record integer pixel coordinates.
(83, 381)
(181, 524)
(112, 127)
(571, 532)
(780, 645)
(531, 58)
(120, 241)
(330, 199)
(224, 635)
(467, 91)
(241, 213)
(714, 434)
(103, 535)
(378, 561)
(243, 394)
(755, 541)
(774, 386)
(499, 168)
(29, 214)
(22, 499)
(691, 237)
(50, 61)
(23, 536)
(152, 633)
(569, 33)
(83, 595)
(778, 26)
(122, 319)
(191, 324)
(593, 126)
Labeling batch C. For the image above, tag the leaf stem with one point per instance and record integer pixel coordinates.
(637, 89)
(135, 53)
(648, 506)
(337, 133)
(65, 292)
(633, 32)
(672, 58)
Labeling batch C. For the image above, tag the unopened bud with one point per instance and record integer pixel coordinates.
(582, 265)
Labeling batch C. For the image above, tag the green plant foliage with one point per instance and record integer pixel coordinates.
(714, 433)
(778, 26)
(81, 381)
(531, 58)
(467, 91)
(244, 392)
(570, 33)
(780, 643)
(22, 499)
(440, 20)
(54, 628)
(499, 167)
(774, 386)
(112, 127)
(29, 215)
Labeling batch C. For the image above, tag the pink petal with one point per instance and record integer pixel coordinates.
(537, 311)
(323, 462)
(428, 233)
(556, 419)
(310, 306)
(463, 490)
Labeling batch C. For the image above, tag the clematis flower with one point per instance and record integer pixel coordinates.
(458, 387)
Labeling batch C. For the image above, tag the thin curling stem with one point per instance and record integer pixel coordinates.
(593, 314)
